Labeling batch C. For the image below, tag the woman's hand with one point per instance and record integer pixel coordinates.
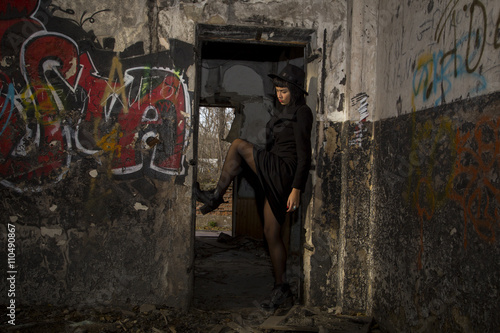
(293, 200)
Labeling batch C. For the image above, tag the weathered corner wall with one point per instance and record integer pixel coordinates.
(337, 249)
(95, 134)
(404, 220)
(322, 218)
(435, 248)
(435, 177)
(94, 137)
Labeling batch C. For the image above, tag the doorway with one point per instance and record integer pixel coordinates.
(232, 269)
(214, 133)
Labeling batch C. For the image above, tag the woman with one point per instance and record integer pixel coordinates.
(282, 168)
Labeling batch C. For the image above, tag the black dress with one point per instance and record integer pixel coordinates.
(285, 162)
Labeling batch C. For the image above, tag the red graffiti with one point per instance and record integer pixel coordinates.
(478, 153)
(135, 117)
(16, 25)
(143, 103)
(17, 8)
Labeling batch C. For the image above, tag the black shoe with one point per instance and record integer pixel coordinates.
(280, 296)
(205, 209)
(211, 199)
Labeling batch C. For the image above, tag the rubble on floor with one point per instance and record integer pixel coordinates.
(232, 276)
(49, 319)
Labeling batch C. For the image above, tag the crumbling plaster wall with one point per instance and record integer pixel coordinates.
(96, 138)
(393, 227)
(337, 251)
(435, 170)
(405, 209)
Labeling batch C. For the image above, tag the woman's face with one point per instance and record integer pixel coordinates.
(283, 95)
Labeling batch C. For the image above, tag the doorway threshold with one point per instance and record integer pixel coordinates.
(211, 233)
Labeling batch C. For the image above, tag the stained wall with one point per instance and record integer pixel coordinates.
(425, 163)
(95, 136)
(97, 142)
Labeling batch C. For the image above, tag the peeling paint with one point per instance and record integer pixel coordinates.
(139, 206)
(332, 144)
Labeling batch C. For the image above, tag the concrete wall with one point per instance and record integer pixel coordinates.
(409, 182)
(404, 219)
(435, 166)
(96, 134)
(101, 213)
(404, 200)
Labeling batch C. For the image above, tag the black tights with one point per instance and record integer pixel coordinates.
(277, 250)
(239, 151)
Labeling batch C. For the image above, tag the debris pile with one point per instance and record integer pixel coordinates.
(232, 276)
(152, 319)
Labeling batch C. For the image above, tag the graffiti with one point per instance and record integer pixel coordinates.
(449, 164)
(465, 181)
(432, 155)
(459, 165)
(447, 55)
(434, 181)
(496, 39)
(56, 105)
(480, 38)
(475, 187)
(360, 98)
(478, 25)
(436, 72)
(149, 103)
(83, 19)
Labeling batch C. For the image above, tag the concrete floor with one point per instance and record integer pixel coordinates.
(232, 276)
(231, 273)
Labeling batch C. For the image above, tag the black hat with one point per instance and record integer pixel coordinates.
(293, 75)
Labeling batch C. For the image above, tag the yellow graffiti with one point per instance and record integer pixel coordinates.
(425, 67)
(43, 104)
(109, 142)
(112, 88)
(426, 144)
(433, 184)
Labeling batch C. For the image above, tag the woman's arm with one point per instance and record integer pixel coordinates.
(302, 133)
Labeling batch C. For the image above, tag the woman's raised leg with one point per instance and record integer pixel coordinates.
(239, 151)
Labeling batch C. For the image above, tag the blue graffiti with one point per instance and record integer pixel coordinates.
(437, 74)
(10, 97)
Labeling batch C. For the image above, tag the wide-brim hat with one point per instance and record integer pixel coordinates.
(292, 74)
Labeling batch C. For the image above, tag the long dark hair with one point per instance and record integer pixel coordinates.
(296, 94)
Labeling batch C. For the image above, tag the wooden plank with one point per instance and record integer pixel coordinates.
(247, 219)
